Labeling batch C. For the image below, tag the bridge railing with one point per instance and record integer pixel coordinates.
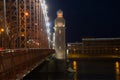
(18, 63)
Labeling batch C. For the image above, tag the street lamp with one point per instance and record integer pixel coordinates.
(1, 31)
(26, 13)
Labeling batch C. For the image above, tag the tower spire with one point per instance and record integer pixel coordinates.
(60, 13)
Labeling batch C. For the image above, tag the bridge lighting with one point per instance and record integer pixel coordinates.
(43, 1)
(44, 8)
(48, 31)
(28, 42)
(33, 41)
(48, 24)
(2, 30)
(46, 18)
(48, 38)
(22, 35)
(36, 24)
(26, 13)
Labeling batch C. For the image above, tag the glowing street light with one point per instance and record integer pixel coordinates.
(1, 30)
(26, 13)
(22, 35)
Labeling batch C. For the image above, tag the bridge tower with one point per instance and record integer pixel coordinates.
(59, 28)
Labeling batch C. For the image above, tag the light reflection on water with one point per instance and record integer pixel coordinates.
(117, 69)
(96, 69)
(75, 65)
(75, 69)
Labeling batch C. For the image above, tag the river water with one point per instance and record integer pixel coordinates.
(95, 69)
(84, 69)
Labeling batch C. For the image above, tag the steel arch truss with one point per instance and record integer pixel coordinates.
(26, 24)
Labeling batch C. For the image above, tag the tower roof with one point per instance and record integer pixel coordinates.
(59, 13)
(60, 21)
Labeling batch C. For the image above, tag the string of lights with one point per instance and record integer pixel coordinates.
(44, 9)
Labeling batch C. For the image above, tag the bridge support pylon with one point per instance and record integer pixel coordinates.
(59, 38)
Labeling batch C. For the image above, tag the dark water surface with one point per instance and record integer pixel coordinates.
(87, 69)
(96, 69)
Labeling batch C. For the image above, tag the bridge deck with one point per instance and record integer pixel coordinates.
(15, 65)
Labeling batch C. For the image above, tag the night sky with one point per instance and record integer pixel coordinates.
(87, 18)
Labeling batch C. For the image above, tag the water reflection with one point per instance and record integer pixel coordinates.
(75, 69)
(95, 69)
(74, 66)
(117, 69)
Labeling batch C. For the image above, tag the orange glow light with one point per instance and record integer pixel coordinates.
(2, 30)
(74, 65)
(26, 14)
(116, 49)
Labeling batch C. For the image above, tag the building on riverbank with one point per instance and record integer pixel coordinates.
(95, 46)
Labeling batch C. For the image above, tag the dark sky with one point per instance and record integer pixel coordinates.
(87, 18)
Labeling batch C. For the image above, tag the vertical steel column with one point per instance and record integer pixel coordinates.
(22, 23)
(28, 23)
(40, 32)
(13, 25)
(43, 31)
(37, 27)
(40, 24)
(5, 27)
(1, 21)
(33, 22)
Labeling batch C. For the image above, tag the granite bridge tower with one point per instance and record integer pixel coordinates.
(59, 40)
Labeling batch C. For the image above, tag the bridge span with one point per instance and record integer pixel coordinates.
(25, 37)
(24, 24)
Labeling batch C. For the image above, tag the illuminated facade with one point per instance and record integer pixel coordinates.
(101, 45)
(96, 46)
(74, 48)
(59, 40)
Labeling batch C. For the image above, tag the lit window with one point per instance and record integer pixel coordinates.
(116, 49)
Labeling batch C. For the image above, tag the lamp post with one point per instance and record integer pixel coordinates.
(0, 39)
(1, 32)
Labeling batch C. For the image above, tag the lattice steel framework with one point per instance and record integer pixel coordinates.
(26, 24)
